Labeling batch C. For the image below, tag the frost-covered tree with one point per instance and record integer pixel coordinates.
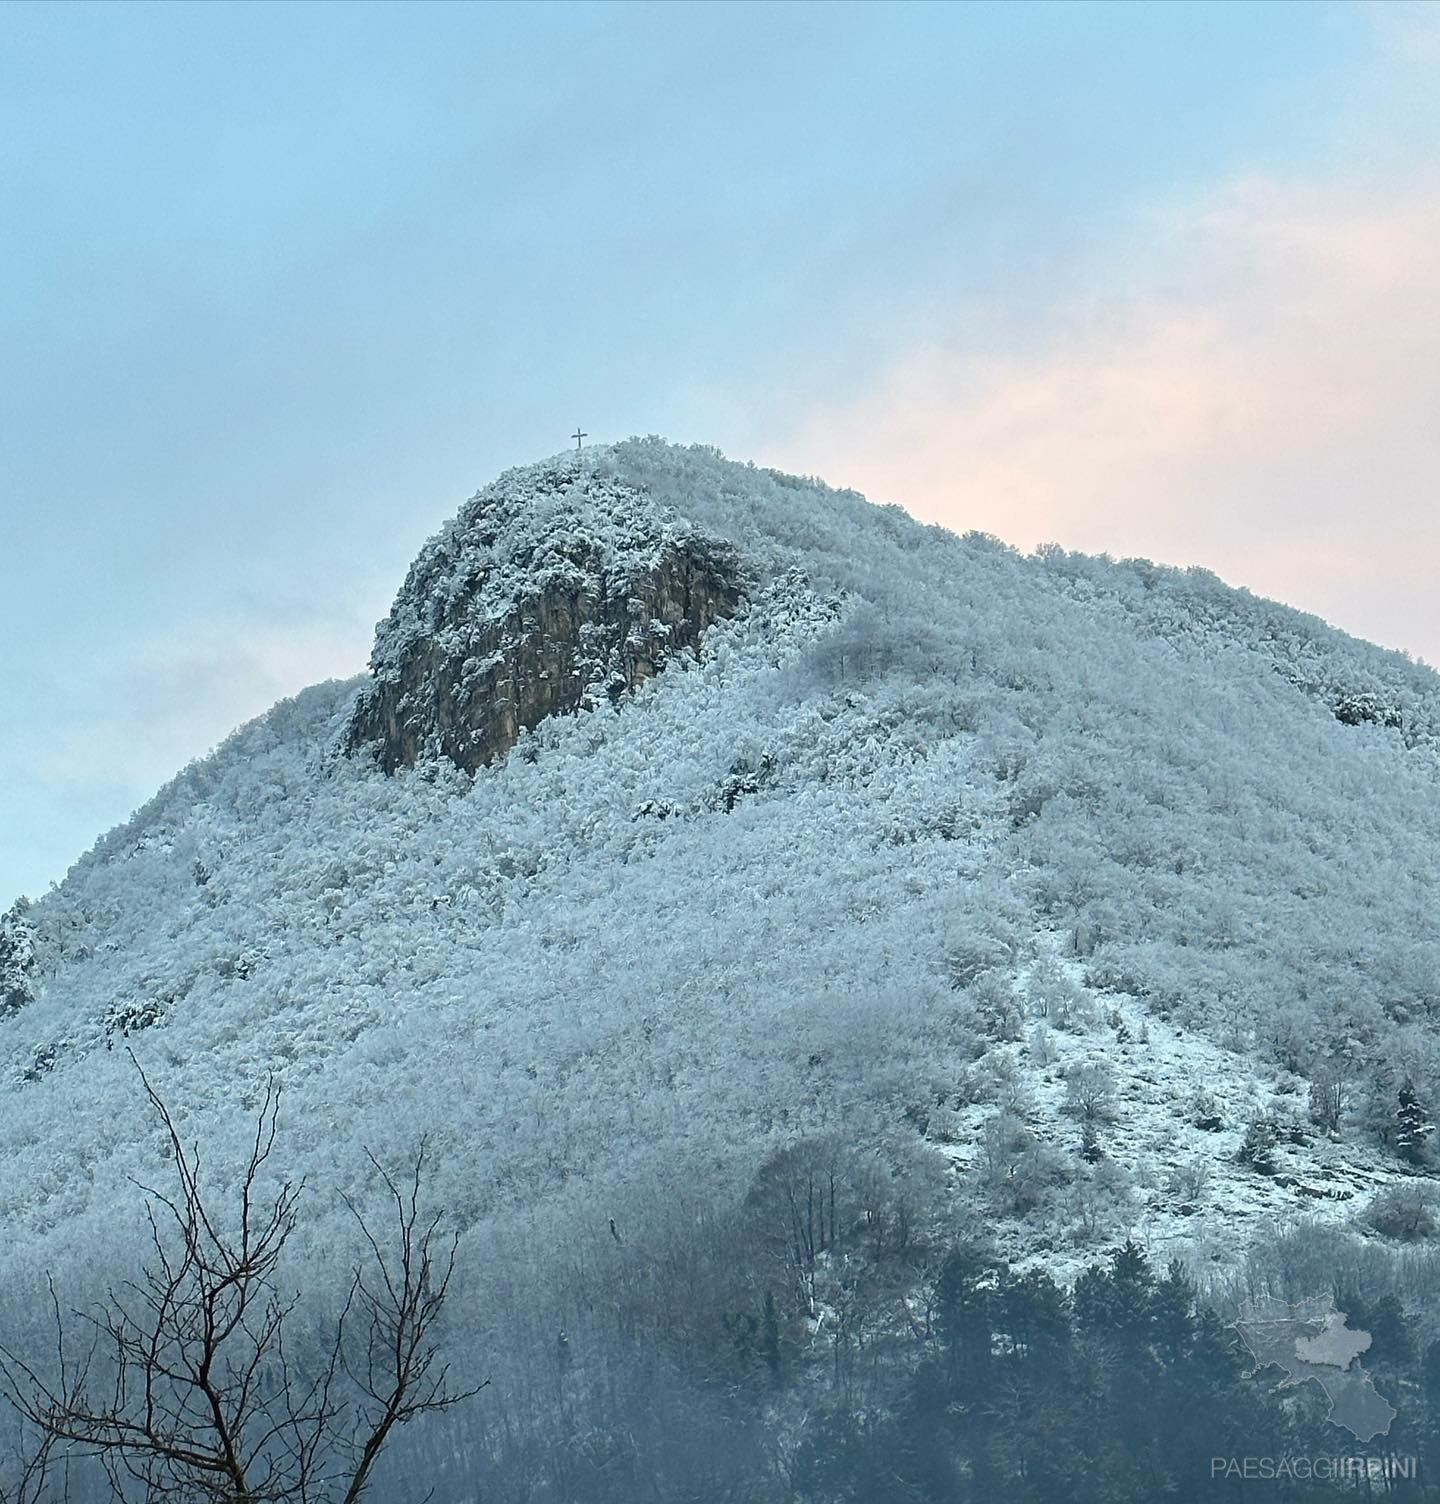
(1050, 991)
(17, 957)
(998, 1009)
(1090, 1091)
(1327, 1098)
(1404, 1212)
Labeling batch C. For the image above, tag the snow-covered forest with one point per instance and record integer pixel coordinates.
(1018, 905)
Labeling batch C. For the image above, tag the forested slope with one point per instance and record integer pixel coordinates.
(872, 876)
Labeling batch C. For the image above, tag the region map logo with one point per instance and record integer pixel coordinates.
(1311, 1343)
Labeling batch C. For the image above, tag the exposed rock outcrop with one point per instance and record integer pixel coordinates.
(553, 590)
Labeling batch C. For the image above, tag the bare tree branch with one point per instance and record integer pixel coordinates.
(203, 1399)
(401, 1375)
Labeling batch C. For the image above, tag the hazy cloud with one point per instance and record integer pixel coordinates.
(1250, 385)
(185, 693)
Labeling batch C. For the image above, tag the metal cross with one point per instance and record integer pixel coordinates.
(577, 436)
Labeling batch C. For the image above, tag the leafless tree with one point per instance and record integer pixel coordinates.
(183, 1381)
(794, 1196)
(31, 1476)
(1329, 1096)
(400, 1375)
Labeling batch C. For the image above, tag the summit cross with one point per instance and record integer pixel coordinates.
(577, 436)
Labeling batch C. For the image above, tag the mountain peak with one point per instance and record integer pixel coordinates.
(560, 586)
(932, 850)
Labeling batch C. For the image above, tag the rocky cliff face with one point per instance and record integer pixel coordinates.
(553, 590)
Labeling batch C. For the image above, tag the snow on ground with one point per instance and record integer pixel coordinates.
(1173, 1129)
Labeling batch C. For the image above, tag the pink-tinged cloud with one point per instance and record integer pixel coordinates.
(1255, 388)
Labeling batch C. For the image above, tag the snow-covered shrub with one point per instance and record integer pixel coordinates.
(973, 1085)
(944, 1124)
(1189, 1179)
(1099, 1201)
(1050, 990)
(1257, 1150)
(1021, 1171)
(1204, 1111)
(1041, 1043)
(1407, 1213)
(998, 1009)
(1090, 1091)
(1074, 1011)
(976, 955)
(1288, 1121)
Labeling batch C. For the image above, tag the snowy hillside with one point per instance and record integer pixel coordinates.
(1072, 898)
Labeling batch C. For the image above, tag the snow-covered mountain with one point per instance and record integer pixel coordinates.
(693, 813)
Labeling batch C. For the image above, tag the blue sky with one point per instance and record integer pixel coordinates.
(282, 284)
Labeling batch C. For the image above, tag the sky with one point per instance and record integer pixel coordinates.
(282, 284)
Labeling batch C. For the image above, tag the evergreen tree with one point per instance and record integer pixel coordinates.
(770, 1337)
(965, 1296)
(1413, 1127)
(1118, 1303)
(1030, 1310)
(17, 957)
(1429, 1424)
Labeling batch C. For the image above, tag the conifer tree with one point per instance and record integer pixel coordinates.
(770, 1336)
(17, 957)
(1412, 1126)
